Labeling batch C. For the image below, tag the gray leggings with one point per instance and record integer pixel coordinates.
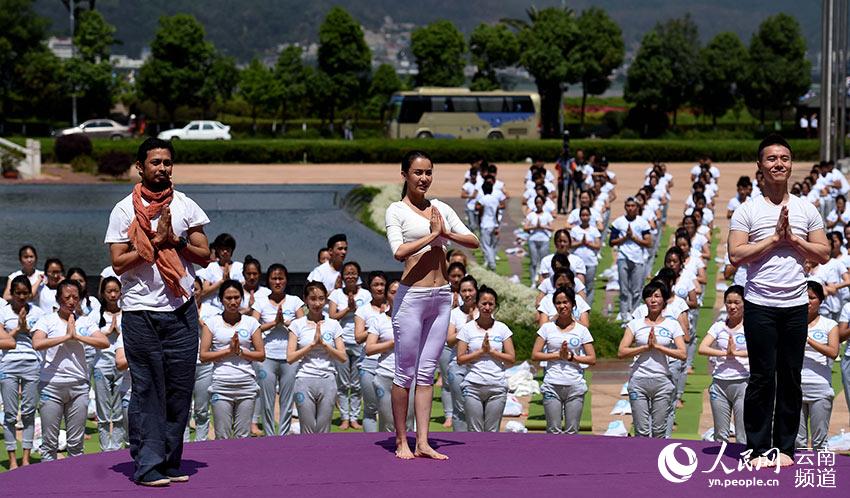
(231, 413)
(589, 277)
(315, 398)
(563, 404)
(816, 414)
(58, 401)
(727, 397)
(370, 400)
(678, 375)
(29, 399)
(455, 378)
(383, 390)
(274, 375)
(484, 406)
(201, 403)
(631, 277)
(446, 391)
(110, 417)
(650, 400)
(348, 383)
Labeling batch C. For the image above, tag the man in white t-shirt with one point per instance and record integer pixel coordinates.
(774, 235)
(329, 272)
(488, 204)
(630, 233)
(155, 234)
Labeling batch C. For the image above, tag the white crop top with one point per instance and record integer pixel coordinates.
(404, 225)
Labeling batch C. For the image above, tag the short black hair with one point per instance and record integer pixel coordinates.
(817, 288)
(339, 237)
(153, 143)
(773, 139)
(487, 188)
(224, 240)
(655, 285)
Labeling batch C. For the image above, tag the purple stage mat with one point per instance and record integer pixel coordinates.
(518, 465)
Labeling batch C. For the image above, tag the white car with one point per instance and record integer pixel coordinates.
(198, 130)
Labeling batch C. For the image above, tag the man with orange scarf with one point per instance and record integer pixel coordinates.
(154, 236)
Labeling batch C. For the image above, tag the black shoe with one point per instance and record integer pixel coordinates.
(154, 479)
(176, 476)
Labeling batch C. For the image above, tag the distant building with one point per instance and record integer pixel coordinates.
(61, 47)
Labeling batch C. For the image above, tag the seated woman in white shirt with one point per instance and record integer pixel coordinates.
(568, 351)
(232, 342)
(28, 258)
(64, 380)
(816, 377)
(486, 345)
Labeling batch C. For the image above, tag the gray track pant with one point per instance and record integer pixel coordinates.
(370, 400)
(28, 384)
(446, 391)
(273, 376)
(348, 383)
(455, 377)
(232, 408)
(58, 401)
(484, 406)
(315, 398)
(814, 414)
(563, 405)
(631, 278)
(201, 403)
(383, 390)
(727, 397)
(110, 415)
(650, 400)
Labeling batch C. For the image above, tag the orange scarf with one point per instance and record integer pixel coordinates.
(167, 260)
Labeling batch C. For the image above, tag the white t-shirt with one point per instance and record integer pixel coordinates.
(548, 207)
(326, 274)
(45, 298)
(66, 362)
(490, 212)
(734, 203)
(381, 325)
(776, 278)
(576, 265)
(563, 372)
(817, 368)
(547, 307)
(574, 218)
(142, 287)
(547, 286)
(316, 363)
(275, 340)
(672, 310)
(591, 233)
(724, 367)
(653, 363)
(831, 272)
(109, 272)
(232, 368)
(366, 313)
(485, 370)
(842, 220)
(539, 234)
(36, 274)
(630, 249)
(104, 359)
(23, 350)
(472, 192)
(339, 297)
(214, 273)
(404, 225)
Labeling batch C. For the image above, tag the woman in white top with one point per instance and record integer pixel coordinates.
(547, 311)
(820, 353)
(107, 378)
(456, 271)
(344, 303)
(486, 345)
(655, 338)
(29, 259)
(586, 242)
(232, 341)
(315, 342)
(89, 306)
(20, 366)
(251, 271)
(223, 268)
(726, 347)
(838, 217)
(275, 375)
(567, 347)
(45, 295)
(64, 379)
(538, 224)
(460, 316)
(203, 374)
(380, 342)
(377, 283)
(417, 229)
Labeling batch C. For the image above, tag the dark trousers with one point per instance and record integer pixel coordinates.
(162, 348)
(776, 339)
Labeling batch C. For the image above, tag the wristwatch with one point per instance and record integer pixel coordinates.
(182, 242)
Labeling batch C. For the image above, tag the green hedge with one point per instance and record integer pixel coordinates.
(262, 151)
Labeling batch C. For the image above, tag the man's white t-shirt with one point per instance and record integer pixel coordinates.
(142, 287)
(776, 278)
(630, 249)
(326, 274)
(490, 203)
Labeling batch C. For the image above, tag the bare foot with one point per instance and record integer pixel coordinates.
(785, 460)
(344, 425)
(25, 463)
(356, 425)
(448, 423)
(255, 430)
(427, 451)
(762, 462)
(13, 464)
(87, 437)
(679, 404)
(402, 450)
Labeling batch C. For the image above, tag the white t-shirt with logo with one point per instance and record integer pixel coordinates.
(630, 249)
(489, 214)
(214, 273)
(317, 363)
(275, 340)
(23, 350)
(724, 367)
(816, 376)
(104, 359)
(142, 287)
(776, 278)
(381, 325)
(653, 363)
(562, 372)
(485, 370)
(547, 307)
(64, 363)
(339, 297)
(232, 368)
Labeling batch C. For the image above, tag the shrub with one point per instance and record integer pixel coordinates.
(67, 147)
(114, 163)
(83, 164)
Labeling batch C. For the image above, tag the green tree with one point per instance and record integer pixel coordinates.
(547, 50)
(722, 65)
(344, 57)
(90, 73)
(175, 72)
(42, 84)
(94, 37)
(600, 52)
(290, 82)
(321, 94)
(385, 82)
(256, 87)
(439, 49)
(492, 47)
(21, 31)
(778, 72)
(222, 78)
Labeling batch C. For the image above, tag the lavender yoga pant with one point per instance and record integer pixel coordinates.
(420, 326)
